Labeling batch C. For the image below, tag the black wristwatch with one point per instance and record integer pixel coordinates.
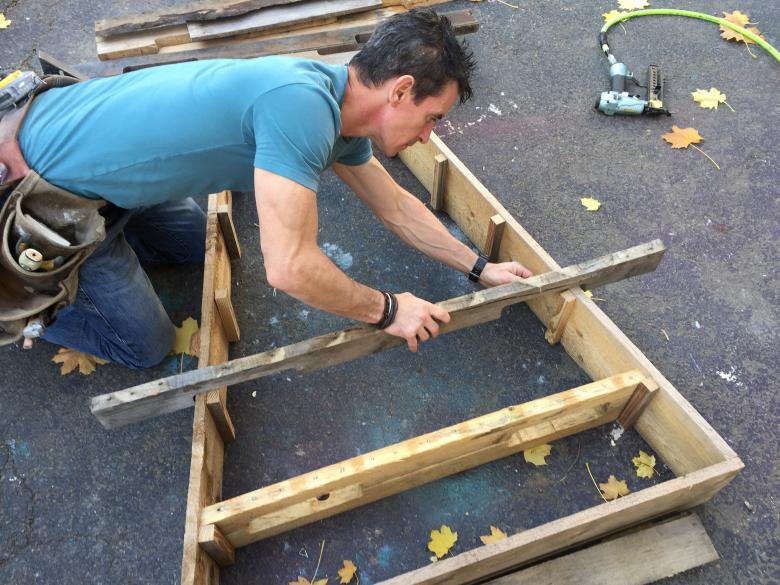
(479, 266)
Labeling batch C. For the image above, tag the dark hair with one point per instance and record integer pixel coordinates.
(419, 43)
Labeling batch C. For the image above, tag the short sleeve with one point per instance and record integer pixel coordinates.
(295, 129)
(357, 152)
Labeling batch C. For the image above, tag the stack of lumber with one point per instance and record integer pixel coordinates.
(252, 28)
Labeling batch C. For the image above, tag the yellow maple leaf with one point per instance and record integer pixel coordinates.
(645, 464)
(537, 454)
(304, 581)
(442, 541)
(590, 204)
(741, 20)
(4, 22)
(614, 488)
(495, 535)
(347, 571)
(186, 342)
(682, 137)
(709, 98)
(70, 359)
(611, 14)
(737, 17)
(633, 4)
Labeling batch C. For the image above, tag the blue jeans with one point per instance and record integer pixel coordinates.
(117, 315)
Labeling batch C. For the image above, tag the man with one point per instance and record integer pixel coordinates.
(149, 140)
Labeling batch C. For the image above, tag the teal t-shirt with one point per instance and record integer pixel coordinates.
(190, 129)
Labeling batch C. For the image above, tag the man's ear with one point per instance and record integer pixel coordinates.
(401, 89)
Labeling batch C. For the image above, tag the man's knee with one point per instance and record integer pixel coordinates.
(148, 352)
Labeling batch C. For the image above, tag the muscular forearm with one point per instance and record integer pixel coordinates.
(416, 225)
(311, 277)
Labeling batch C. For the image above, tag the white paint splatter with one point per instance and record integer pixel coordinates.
(730, 376)
(616, 432)
(342, 258)
(304, 314)
(273, 321)
(541, 380)
(494, 109)
(697, 324)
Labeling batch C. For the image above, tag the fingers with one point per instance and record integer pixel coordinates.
(417, 321)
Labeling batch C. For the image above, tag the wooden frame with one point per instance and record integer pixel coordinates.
(627, 389)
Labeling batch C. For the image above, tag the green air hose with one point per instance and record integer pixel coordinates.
(673, 12)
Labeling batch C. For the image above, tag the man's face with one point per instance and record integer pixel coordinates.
(406, 123)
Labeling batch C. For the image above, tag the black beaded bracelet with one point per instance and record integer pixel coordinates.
(479, 266)
(391, 308)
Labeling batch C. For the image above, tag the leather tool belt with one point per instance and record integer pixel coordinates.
(46, 232)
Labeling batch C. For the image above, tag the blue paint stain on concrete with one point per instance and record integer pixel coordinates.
(20, 449)
(383, 556)
(342, 258)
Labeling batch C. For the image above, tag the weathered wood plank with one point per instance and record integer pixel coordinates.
(346, 34)
(181, 14)
(211, 425)
(683, 439)
(520, 549)
(646, 556)
(395, 468)
(277, 17)
(169, 394)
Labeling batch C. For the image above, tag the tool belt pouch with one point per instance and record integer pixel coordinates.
(64, 229)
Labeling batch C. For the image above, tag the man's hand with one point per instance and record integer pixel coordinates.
(416, 320)
(503, 273)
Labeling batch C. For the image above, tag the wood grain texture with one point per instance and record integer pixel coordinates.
(181, 14)
(346, 34)
(169, 394)
(211, 425)
(277, 17)
(646, 556)
(672, 427)
(493, 238)
(387, 471)
(523, 548)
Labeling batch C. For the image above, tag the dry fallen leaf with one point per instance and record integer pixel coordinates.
(304, 581)
(709, 98)
(589, 294)
(685, 137)
(682, 137)
(495, 535)
(645, 464)
(347, 571)
(590, 204)
(633, 4)
(537, 454)
(611, 14)
(4, 22)
(72, 359)
(741, 20)
(185, 335)
(442, 541)
(613, 488)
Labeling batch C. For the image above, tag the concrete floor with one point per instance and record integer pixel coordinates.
(82, 505)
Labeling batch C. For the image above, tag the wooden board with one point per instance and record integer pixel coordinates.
(590, 337)
(181, 14)
(176, 392)
(277, 17)
(208, 446)
(346, 34)
(395, 468)
(653, 553)
(535, 543)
